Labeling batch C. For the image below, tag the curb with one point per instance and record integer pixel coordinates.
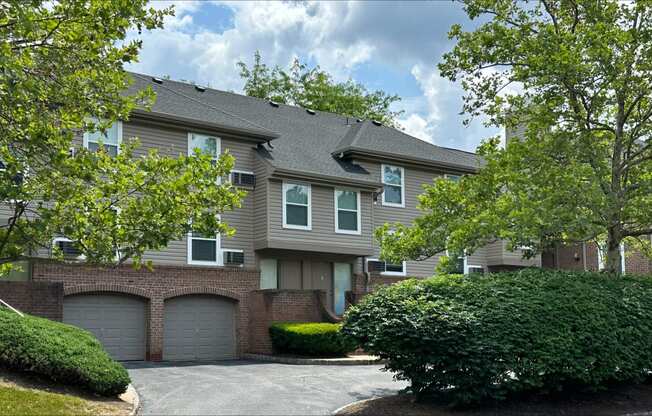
(313, 361)
(131, 396)
(342, 408)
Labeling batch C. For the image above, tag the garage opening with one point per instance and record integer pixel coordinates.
(199, 328)
(118, 321)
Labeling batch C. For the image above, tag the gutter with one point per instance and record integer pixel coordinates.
(353, 151)
(325, 179)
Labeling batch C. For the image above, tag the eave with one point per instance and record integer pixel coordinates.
(421, 162)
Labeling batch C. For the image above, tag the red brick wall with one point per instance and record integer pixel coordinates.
(156, 286)
(637, 263)
(571, 257)
(285, 305)
(36, 298)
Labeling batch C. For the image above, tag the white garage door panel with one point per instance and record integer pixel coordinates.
(117, 321)
(198, 328)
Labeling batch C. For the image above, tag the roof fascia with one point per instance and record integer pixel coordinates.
(325, 179)
(383, 156)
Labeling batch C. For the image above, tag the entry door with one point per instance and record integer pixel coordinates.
(342, 283)
(322, 279)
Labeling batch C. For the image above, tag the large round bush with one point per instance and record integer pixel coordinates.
(483, 337)
(317, 339)
(61, 352)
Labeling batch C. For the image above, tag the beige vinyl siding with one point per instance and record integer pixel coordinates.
(498, 254)
(495, 252)
(414, 181)
(259, 195)
(478, 258)
(171, 141)
(323, 219)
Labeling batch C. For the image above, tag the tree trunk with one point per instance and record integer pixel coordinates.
(614, 260)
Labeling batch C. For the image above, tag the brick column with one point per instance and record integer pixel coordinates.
(155, 330)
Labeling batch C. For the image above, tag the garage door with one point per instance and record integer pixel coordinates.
(198, 328)
(118, 321)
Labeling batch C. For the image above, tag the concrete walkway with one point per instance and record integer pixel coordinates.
(254, 388)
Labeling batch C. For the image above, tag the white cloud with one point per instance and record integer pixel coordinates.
(417, 126)
(279, 30)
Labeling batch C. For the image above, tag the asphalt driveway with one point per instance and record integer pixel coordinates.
(254, 388)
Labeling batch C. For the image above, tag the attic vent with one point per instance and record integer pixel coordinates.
(273, 103)
(157, 80)
(310, 111)
(200, 88)
(377, 123)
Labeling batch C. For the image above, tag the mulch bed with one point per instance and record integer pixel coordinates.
(621, 400)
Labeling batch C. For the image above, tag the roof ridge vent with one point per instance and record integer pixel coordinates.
(157, 80)
(377, 123)
(311, 111)
(200, 88)
(273, 103)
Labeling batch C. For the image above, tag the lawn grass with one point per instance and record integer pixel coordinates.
(16, 400)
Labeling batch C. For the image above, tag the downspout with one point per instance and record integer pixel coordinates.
(584, 255)
(367, 275)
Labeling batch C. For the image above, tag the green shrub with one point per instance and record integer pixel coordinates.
(484, 337)
(310, 338)
(61, 352)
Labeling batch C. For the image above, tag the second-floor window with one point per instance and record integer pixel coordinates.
(206, 144)
(296, 206)
(393, 186)
(110, 139)
(347, 212)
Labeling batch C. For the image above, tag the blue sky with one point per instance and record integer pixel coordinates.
(393, 46)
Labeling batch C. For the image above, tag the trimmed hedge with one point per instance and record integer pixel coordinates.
(61, 352)
(471, 338)
(310, 338)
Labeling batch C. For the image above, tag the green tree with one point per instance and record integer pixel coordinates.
(582, 169)
(61, 67)
(315, 89)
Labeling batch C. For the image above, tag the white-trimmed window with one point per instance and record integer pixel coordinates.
(297, 209)
(68, 248)
(204, 249)
(390, 269)
(111, 139)
(209, 145)
(347, 212)
(393, 178)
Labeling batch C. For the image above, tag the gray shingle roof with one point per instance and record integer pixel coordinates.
(302, 142)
